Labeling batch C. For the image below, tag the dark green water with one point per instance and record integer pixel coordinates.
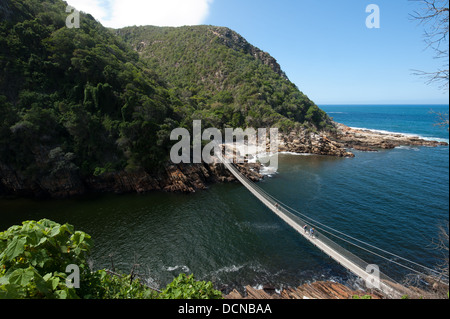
(225, 235)
(395, 200)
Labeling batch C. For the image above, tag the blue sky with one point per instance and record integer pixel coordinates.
(323, 46)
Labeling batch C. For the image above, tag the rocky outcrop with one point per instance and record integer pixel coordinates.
(366, 140)
(186, 178)
(333, 290)
(343, 139)
(235, 41)
(316, 290)
(64, 180)
(302, 141)
(173, 178)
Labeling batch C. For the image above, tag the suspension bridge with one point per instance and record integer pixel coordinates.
(303, 224)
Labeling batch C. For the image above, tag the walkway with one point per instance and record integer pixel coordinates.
(342, 256)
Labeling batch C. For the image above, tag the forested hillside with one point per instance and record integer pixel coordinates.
(222, 79)
(76, 97)
(90, 101)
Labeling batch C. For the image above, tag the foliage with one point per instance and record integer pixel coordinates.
(222, 79)
(106, 108)
(35, 255)
(362, 297)
(110, 286)
(433, 15)
(78, 90)
(186, 287)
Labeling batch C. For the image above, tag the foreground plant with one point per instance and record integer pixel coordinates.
(34, 260)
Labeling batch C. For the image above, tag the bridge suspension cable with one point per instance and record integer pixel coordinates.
(315, 224)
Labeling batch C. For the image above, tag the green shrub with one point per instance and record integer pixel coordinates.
(35, 256)
(186, 287)
(108, 286)
(362, 297)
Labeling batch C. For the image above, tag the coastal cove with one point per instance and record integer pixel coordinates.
(395, 199)
(157, 152)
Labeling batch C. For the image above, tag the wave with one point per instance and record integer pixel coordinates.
(183, 268)
(295, 154)
(268, 171)
(262, 226)
(229, 269)
(402, 147)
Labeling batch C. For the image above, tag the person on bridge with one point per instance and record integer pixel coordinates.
(311, 232)
(305, 228)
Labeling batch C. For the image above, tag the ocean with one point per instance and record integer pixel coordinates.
(396, 200)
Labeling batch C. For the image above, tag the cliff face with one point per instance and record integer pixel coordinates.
(65, 180)
(103, 102)
(69, 183)
(235, 41)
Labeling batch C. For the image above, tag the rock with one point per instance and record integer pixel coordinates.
(184, 178)
(269, 289)
(302, 141)
(366, 140)
(234, 295)
(316, 290)
(235, 41)
(58, 177)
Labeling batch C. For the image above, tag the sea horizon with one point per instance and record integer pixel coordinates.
(382, 104)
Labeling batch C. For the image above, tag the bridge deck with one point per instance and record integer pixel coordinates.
(330, 248)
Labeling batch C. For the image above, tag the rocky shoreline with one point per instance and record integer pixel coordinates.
(372, 141)
(328, 290)
(316, 290)
(173, 178)
(189, 178)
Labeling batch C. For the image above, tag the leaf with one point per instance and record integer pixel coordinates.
(14, 248)
(61, 294)
(55, 231)
(55, 282)
(11, 291)
(47, 276)
(21, 277)
(42, 241)
(42, 284)
(40, 258)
